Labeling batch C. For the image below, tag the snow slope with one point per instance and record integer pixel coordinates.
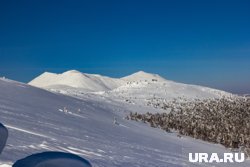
(37, 122)
(142, 92)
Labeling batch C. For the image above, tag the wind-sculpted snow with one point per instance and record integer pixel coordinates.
(52, 159)
(3, 137)
(41, 121)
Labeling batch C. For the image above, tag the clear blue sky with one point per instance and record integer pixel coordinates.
(203, 42)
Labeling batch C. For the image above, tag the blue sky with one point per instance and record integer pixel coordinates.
(200, 42)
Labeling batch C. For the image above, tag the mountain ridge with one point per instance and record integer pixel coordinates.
(135, 85)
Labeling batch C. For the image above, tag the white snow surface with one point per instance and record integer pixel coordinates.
(143, 76)
(76, 79)
(37, 121)
(138, 86)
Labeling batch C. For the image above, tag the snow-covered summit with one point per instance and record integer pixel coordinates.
(76, 79)
(89, 82)
(143, 76)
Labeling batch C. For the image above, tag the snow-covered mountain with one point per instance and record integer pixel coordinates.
(138, 87)
(76, 79)
(143, 76)
(39, 120)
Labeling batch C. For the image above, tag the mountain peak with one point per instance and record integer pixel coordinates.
(142, 75)
(72, 72)
(76, 79)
